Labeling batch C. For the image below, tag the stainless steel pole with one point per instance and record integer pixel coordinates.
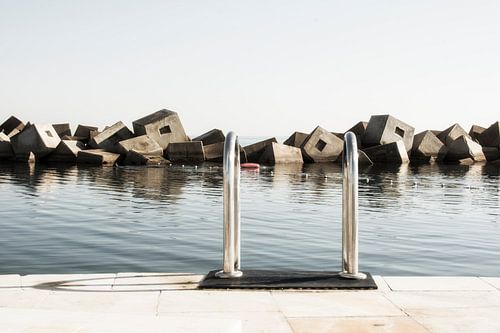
(231, 175)
(350, 209)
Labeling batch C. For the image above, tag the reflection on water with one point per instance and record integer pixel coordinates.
(426, 219)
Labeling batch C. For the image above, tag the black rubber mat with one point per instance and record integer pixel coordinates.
(257, 279)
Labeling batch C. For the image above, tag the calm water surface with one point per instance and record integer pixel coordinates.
(427, 220)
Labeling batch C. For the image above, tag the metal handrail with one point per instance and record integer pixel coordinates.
(231, 174)
(350, 209)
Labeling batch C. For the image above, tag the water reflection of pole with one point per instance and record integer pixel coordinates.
(350, 209)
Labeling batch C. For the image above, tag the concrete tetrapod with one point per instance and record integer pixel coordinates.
(383, 129)
(322, 146)
(163, 126)
(40, 140)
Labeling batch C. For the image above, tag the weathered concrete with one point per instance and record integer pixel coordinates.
(491, 136)
(11, 126)
(451, 134)
(38, 139)
(491, 153)
(6, 151)
(163, 126)
(254, 151)
(322, 146)
(383, 129)
(109, 138)
(464, 147)
(134, 157)
(189, 152)
(211, 137)
(66, 151)
(97, 157)
(276, 153)
(85, 133)
(141, 144)
(296, 139)
(214, 152)
(363, 159)
(427, 148)
(62, 130)
(394, 152)
(474, 132)
(359, 130)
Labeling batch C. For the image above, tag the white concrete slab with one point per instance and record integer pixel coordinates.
(10, 281)
(437, 283)
(444, 299)
(156, 281)
(76, 282)
(335, 304)
(494, 281)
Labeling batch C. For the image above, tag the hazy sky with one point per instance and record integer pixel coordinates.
(255, 67)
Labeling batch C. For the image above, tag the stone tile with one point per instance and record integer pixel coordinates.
(19, 298)
(215, 301)
(335, 304)
(474, 320)
(102, 302)
(272, 322)
(494, 281)
(10, 281)
(436, 283)
(444, 299)
(156, 281)
(356, 325)
(76, 282)
(381, 284)
(35, 321)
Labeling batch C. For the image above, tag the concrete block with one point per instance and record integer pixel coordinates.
(427, 148)
(11, 126)
(85, 133)
(142, 144)
(276, 153)
(62, 130)
(254, 151)
(491, 136)
(296, 139)
(134, 157)
(214, 152)
(363, 159)
(38, 139)
(451, 134)
(322, 146)
(97, 157)
(491, 153)
(383, 129)
(394, 152)
(189, 152)
(66, 151)
(464, 147)
(211, 137)
(109, 138)
(474, 132)
(359, 130)
(163, 126)
(6, 151)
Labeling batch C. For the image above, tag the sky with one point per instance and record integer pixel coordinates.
(259, 68)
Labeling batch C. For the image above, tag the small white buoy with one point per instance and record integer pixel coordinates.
(196, 167)
(183, 165)
(367, 180)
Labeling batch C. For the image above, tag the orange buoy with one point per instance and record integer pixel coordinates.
(250, 166)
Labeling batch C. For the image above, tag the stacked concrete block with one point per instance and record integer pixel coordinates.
(188, 152)
(427, 148)
(276, 153)
(141, 144)
(62, 130)
(6, 151)
(475, 131)
(137, 158)
(296, 139)
(363, 159)
(163, 126)
(11, 126)
(109, 138)
(464, 148)
(321, 146)
(85, 133)
(97, 157)
(451, 134)
(214, 152)
(491, 136)
(254, 151)
(491, 153)
(66, 151)
(38, 139)
(211, 137)
(383, 129)
(394, 152)
(359, 130)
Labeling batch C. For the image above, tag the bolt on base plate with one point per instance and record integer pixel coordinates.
(357, 276)
(228, 275)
